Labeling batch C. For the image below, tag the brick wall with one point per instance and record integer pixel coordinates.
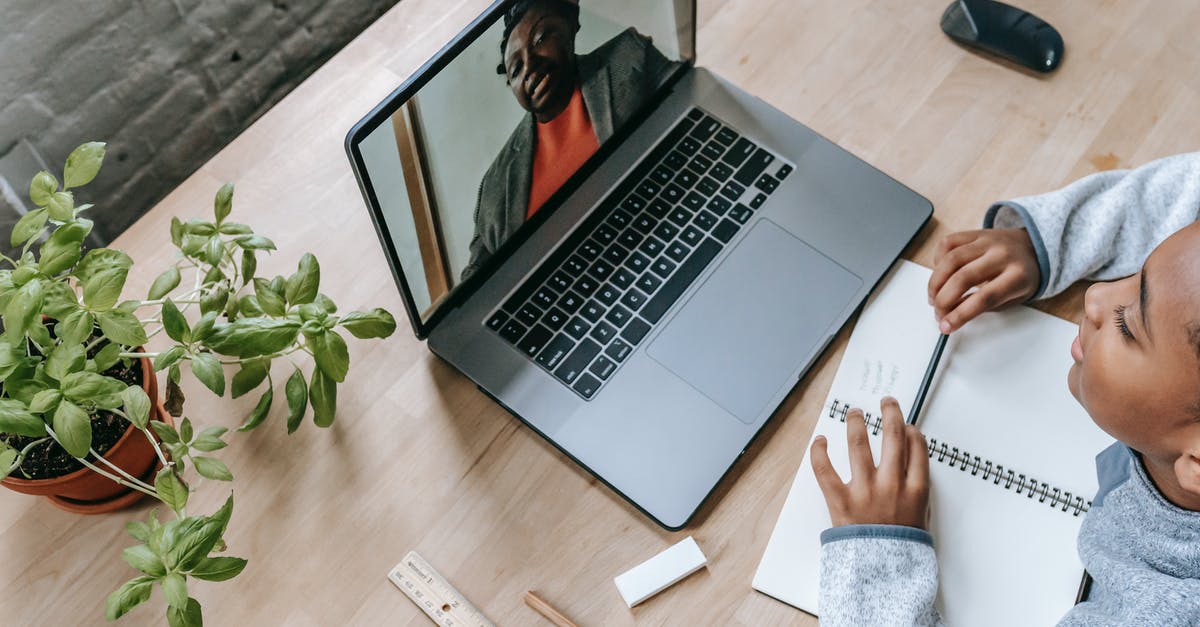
(166, 83)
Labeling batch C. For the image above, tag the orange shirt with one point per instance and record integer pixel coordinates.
(563, 145)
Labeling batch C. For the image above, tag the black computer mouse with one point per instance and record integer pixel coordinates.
(1005, 30)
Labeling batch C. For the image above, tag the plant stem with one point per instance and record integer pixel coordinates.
(21, 455)
(138, 355)
(120, 470)
(157, 449)
(101, 472)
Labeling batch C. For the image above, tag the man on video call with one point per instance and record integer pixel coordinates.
(573, 105)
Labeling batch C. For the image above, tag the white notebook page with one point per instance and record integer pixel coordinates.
(1000, 394)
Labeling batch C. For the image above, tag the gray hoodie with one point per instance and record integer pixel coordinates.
(1142, 551)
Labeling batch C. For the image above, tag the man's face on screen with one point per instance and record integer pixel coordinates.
(540, 61)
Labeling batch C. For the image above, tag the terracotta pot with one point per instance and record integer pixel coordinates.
(86, 492)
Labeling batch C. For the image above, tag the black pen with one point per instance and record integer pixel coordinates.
(915, 412)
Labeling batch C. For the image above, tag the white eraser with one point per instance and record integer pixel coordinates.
(657, 573)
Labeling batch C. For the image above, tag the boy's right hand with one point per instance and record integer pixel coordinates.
(1001, 263)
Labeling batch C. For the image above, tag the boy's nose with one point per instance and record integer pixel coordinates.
(1094, 303)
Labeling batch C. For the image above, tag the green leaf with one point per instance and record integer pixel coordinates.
(144, 559)
(169, 357)
(214, 250)
(90, 386)
(326, 302)
(302, 286)
(174, 323)
(107, 357)
(42, 187)
(331, 354)
(196, 543)
(16, 419)
(193, 244)
(29, 226)
(63, 248)
(60, 299)
(8, 456)
(260, 410)
(76, 327)
(233, 228)
(121, 327)
(203, 327)
(188, 616)
(64, 360)
(221, 516)
(365, 325)
(131, 594)
(165, 282)
(103, 289)
(176, 231)
(185, 431)
(61, 206)
(170, 489)
(252, 337)
(209, 440)
(212, 468)
(223, 204)
(137, 405)
(322, 392)
(100, 260)
(214, 299)
(249, 266)
(208, 370)
(197, 226)
(296, 390)
(271, 301)
(139, 530)
(45, 402)
(40, 335)
(74, 428)
(23, 309)
(252, 373)
(255, 242)
(11, 357)
(83, 164)
(165, 432)
(174, 588)
(218, 568)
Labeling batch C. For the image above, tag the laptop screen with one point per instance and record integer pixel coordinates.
(477, 151)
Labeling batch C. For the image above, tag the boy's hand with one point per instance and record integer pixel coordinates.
(895, 493)
(1000, 262)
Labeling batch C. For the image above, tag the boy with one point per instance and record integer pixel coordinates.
(1136, 372)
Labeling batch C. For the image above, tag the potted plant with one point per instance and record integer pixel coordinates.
(79, 413)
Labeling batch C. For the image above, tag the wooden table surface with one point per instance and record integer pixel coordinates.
(419, 459)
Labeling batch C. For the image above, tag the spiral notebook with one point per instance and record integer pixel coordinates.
(1012, 457)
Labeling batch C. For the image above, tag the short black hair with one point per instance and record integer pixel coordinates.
(517, 10)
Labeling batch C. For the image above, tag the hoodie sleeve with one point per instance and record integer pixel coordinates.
(1102, 227)
(878, 575)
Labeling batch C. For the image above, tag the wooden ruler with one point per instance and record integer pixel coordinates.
(434, 595)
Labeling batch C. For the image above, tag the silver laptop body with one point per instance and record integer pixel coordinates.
(675, 413)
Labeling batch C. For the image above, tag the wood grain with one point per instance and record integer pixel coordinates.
(419, 459)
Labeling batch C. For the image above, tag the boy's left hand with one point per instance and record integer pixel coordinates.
(895, 493)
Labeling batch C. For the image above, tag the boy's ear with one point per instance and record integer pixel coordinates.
(1187, 470)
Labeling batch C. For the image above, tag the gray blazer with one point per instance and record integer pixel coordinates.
(611, 98)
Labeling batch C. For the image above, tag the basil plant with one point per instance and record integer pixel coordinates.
(66, 326)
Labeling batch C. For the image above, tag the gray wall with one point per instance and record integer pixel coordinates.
(167, 83)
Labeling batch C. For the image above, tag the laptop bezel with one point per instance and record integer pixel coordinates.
(409, 88)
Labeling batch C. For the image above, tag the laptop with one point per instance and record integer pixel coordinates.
(633, 256)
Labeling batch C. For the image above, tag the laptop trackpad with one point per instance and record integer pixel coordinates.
(755, 319)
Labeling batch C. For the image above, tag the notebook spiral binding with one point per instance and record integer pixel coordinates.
(986, 470)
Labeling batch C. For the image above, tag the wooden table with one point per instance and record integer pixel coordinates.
(419, 459)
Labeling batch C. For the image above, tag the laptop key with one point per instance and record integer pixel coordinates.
(648, 283)
(695, 114)
(633, 299)
(578, 327)
(784, 170)
(719, 205)
(603, 367)
(767, 183)
(616, 254)
(603, 332)
(587, 386)
(529, 314)
(634, 203)
(535, 340)
(555, 351)
(705, 220)
(618, 350)
(725, 230)
(733, 190)
(678, 251)
(680, 216)
(637, 263)
(589, 250)
(666, 232)
(652, 246)
(672, 193)
(577, 361)
(661, 175)
(592, 311)
(679, 282)
(675, 160)
(623, 278)
(708, 186)
(758, 201)
(691, 236)
(555, 318)
(686, 178)
(658, 208)
(700, 164)
(607, 295)
(705, 128)
(694, 201)
(663, 267)
(575, 265)
(741, 213)
(619, 219)
(721, 172)
(713, 150)
(544, 297)
(570, 302)
(753, 167)
(630, 238)
(635, 331)
(739, 152)
(605, 234)
(726, 136)
(601, 269)
(618, 315)
(496, 322)
(586, 286)
(560, 281)
(649, 189)
(644, 223)
(689, 146)
(513, 331)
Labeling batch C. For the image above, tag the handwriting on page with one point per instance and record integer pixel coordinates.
(878, 377)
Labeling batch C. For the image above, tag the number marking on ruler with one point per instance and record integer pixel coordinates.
(440, 601)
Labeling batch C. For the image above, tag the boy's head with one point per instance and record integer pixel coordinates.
(538, 54)
(1137, 362)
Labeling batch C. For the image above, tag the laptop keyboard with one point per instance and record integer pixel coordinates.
(597, 296)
